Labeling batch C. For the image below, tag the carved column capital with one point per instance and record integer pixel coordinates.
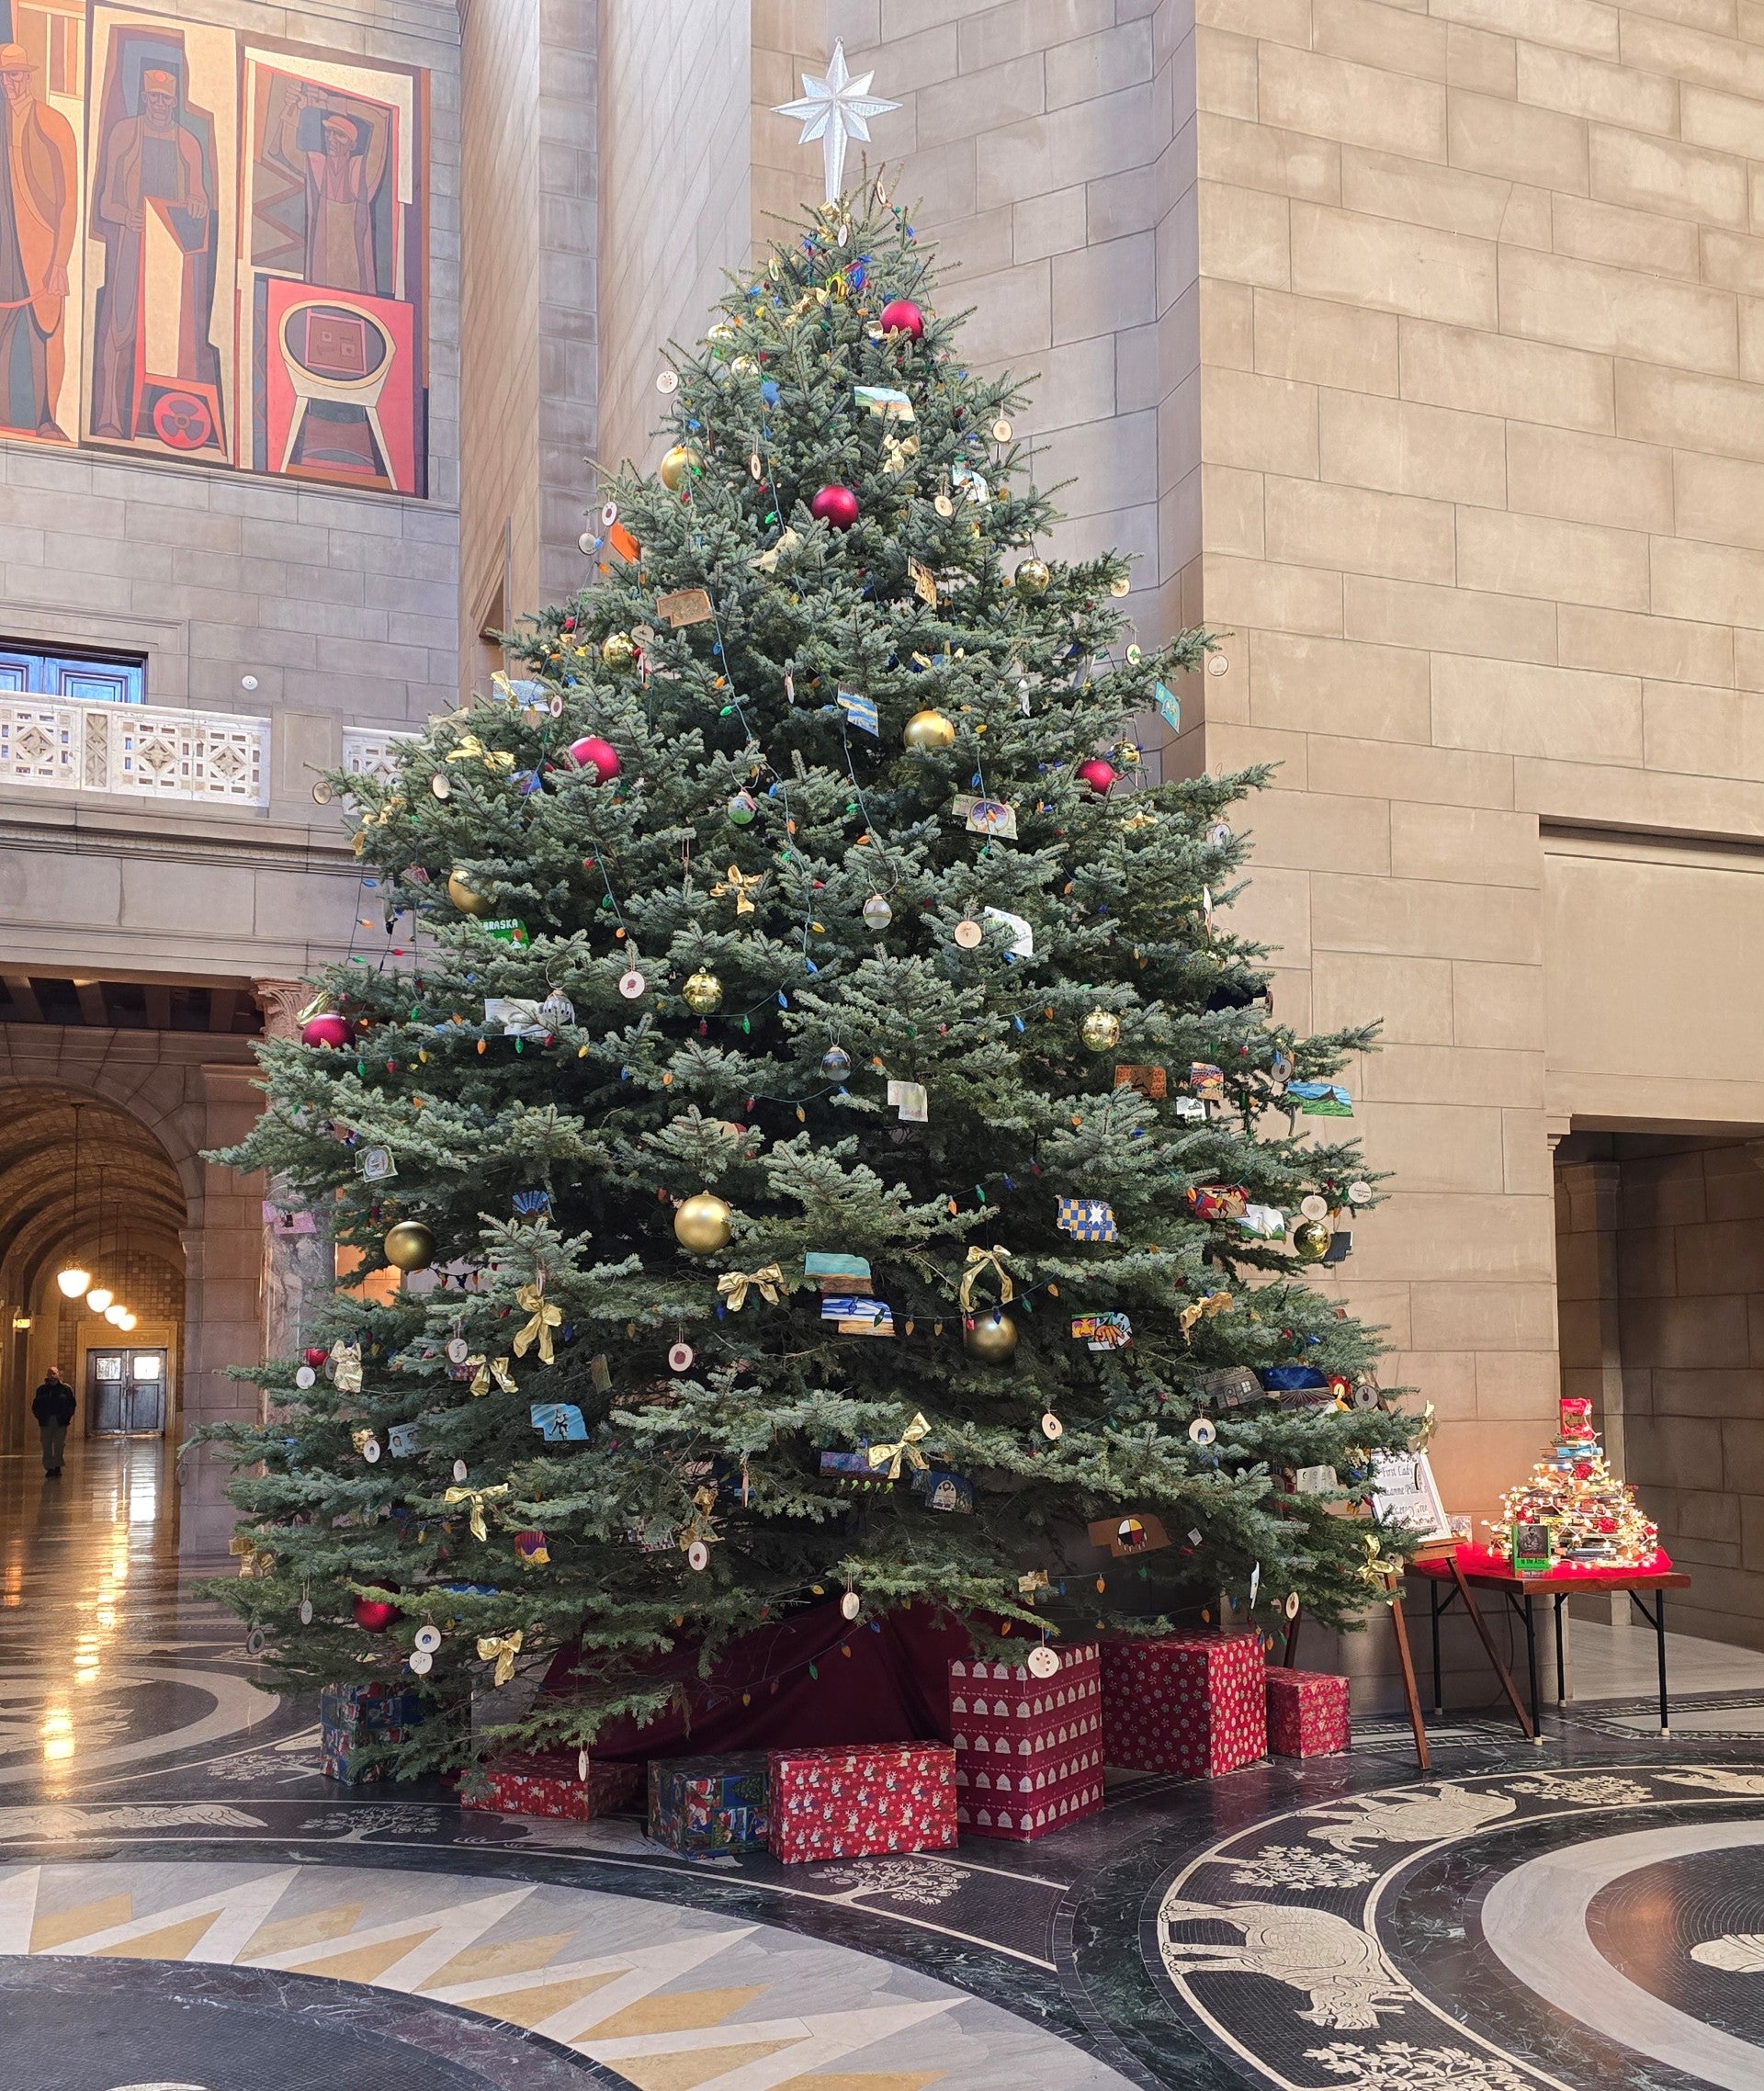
(281, 1002)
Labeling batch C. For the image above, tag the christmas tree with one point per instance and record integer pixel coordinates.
(837, 1151)
(1591, 1516)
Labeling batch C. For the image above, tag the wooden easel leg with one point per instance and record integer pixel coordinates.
(1481, 1626)
(1423, 1756)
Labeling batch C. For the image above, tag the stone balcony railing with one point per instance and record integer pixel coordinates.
(134, 751)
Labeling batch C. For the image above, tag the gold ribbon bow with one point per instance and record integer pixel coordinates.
(347, 1358)
(502, 1650)
(484, 1370)
(768, 1283)
(1382, 1570)
(471, 749)
(1213, 1304)
(698, 1526)
(980, 1261)
(546, 1318)
(896, 450)
(739, 884)
(907, 1449)
(361, 1440)
(477, 1498)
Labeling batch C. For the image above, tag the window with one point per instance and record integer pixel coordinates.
(109, 678)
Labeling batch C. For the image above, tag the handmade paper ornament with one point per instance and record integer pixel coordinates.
(373, 1616)
(836, 1064)
(1032, 577)
(1102, 1332)
(836, 506)
(403, 1441)
(1310, 1241)
(1359, 1193)
(877, 913)
(559, 1422)
(1052, 1429)
(1101, 1031)
(1319, 1100)
(305, 1377)
(531, 1551)
(590, 752)
(910, 1101)
(684, 606)
(1096, 775)
(992, 1337)
(409, 1246)
(466, 897)
(421, 1662)
(328, 1030)
(702, 1223)
(850, 1605)
(1085, 1219)
(861, 712)
(928, 730)
(676, 464)
(703, 992)
(901, 316)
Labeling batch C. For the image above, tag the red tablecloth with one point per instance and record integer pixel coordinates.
(1486, 1561)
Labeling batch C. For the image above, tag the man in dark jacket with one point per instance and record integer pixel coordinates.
(52, 1405)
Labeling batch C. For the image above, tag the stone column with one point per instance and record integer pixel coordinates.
(298, 1262)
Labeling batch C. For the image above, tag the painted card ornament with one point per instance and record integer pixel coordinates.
(1085, 1219)
(1102, 1331)
(1206, 1081)
(860, 712)
(1321, 1100)
(1022, 937)
(988, 817)
(1137, 1533)
(559, 1422)
(911, 1101)
(1153, 1083)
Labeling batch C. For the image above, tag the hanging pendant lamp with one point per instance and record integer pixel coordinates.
(75, 1278)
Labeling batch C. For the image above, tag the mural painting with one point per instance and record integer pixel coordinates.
(213, 247)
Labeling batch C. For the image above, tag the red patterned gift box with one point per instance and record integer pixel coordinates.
(1028, 1749)
(852, 1803)
(550, 1782)
(1195, 1704)
(1307, 1714)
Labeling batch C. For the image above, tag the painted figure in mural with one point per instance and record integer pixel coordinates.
(342, 175)
(152, 164)
(39, 188)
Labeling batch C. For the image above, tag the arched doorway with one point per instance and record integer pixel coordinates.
(122, 1217)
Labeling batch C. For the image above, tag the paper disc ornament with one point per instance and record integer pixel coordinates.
(306, 1612)
(305, 1377)
(679, 1358)
(1032, 577)
(631, 984)
(741, 809)
(329, 1029)
(409, 1246)
(836, 506)
(461, 1470)
(428, 1639)
(421, 1662)
(1101, 1030)
(1310, 1241)
(928, 729)
(901, 316)
(1052, 1429)
(1043, 1661)
(702, 1223)
(968, 935)
(850, 1605)
(676, 465)
(698, 1556)
(466, 897)
(992, 1337)
(703, 992)
(374, 1617)
(1201, 1430)
(590, 752)
(1312, 1208)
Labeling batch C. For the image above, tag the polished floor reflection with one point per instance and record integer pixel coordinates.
(184, 1900)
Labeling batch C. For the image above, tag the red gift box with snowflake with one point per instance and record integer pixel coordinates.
(551, 1783)
(1193, 1704)
(855, 1802)
(1307, 1714)
(1028, 1748)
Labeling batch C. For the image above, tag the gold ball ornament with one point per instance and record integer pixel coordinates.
(929, 729)
(1101, 1031)
(703, 992)
(466, 897)
(991, 1337)
(1032, 577)
(677, 464)
(1310, 1241)
(409, 1246)
(702, 1223)
(618, 652)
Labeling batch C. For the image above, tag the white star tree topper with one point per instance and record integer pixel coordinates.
(835, 110)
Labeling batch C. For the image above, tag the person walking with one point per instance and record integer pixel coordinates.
(52, 1405)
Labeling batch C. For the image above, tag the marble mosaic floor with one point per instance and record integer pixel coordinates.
(186, 1906)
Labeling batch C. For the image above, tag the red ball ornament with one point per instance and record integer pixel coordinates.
(590, 752)
(328, 1030)
(316, 1356)
(1097, 775)
(373, 1617)
(836, 506)
(903, 317)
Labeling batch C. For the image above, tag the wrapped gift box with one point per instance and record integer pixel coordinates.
(1195, 1704)
(700, 1804)
(1028, 1749)
(550, 1782)
(1307, 1714)
(357, 1719)
(852, 1803)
